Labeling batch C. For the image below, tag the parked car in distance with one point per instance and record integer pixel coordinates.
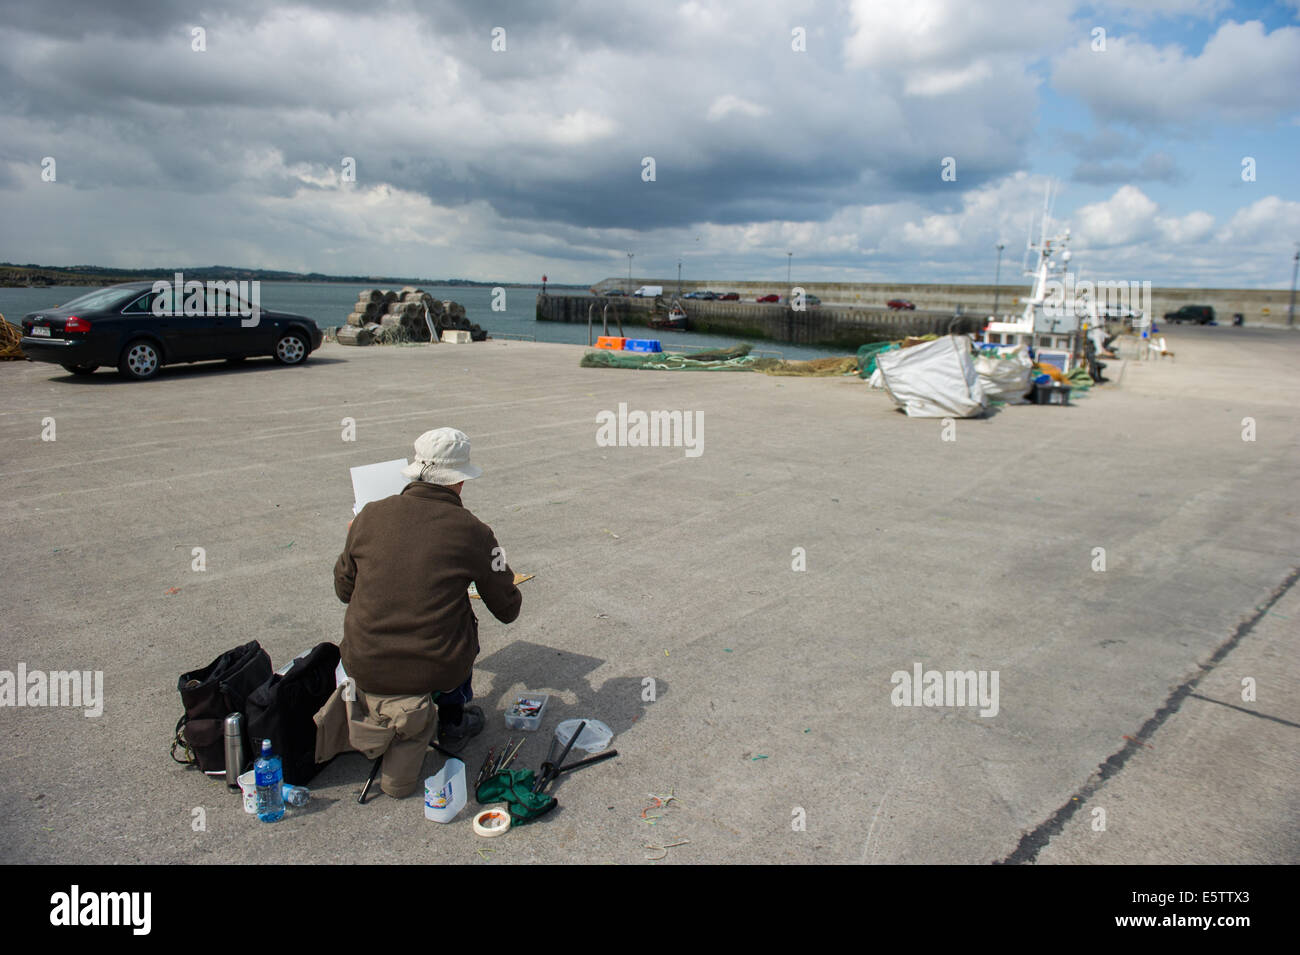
(768, 298)
(898, 304)
(708, 296)
(810, 299)
(616, 291)
(648, 291)
(1197, 314)
(120, 326)
(729, 297)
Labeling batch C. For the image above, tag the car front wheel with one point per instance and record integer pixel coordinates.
(140, 360)
(291, 349)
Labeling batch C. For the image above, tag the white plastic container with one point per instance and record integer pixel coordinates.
(517, 717)
(595, 738)
(445, 792)
(248, 785)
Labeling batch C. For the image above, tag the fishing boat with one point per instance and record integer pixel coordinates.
(675, 320)
(1055, 317)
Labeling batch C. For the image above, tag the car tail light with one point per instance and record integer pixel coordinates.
(74, 324)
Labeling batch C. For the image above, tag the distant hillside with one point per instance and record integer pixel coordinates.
(39, 276)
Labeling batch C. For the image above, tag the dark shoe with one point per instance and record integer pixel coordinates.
(453, 737)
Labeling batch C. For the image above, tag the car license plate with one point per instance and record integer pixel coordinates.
(40, 331)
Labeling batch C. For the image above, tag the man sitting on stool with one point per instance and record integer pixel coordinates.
(410, 630)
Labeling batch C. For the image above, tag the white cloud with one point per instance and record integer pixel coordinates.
(579, 128)
(939, 82)
(949, 33)
(1185, 230)
(1126, 217)
(729, 103)
(1271, 220)
(1243, 73)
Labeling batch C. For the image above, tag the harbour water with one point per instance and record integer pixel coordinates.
(329, 303)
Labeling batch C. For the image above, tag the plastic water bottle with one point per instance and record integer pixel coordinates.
(270, 779)
(295, 795)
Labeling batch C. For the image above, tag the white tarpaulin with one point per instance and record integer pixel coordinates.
(1004, 374)
(934, 380)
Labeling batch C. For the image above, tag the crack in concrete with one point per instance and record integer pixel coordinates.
(1033, 842)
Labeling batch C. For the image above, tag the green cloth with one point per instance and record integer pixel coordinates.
(1079, 378)
(515, 787)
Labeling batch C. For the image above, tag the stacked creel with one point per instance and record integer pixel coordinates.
(369, 308)
(390, 317)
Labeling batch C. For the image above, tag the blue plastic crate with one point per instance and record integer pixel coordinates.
(642, 344)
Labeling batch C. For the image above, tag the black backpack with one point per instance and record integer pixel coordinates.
(210, 695)
(282, 710)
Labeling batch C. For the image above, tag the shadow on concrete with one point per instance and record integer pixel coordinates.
(617, 703)
(109, 376)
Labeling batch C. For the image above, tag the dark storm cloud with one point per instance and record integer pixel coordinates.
(538, 151)
(157, 111)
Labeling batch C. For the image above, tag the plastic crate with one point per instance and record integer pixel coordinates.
(1052, 393)
(526, 712)
(642, 344)
(611, 342)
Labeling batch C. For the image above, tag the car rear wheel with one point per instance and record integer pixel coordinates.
(140, 360)
(81, 369)
(291, 349)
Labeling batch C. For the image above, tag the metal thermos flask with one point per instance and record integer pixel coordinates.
(234, 749)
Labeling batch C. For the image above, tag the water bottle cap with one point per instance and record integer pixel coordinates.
(266, 747)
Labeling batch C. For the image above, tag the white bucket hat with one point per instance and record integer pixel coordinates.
(442, 457)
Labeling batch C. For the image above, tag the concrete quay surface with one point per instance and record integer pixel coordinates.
(772, 721)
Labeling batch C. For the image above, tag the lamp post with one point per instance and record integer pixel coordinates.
(1290, 315)
(789, 258)
(679, 276)
(629, 273)
(997, 281)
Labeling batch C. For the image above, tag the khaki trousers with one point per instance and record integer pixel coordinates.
(398, 727)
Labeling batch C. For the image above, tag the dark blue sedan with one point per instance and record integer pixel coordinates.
(141, 326)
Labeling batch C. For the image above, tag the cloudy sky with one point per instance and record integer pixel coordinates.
(820, 127)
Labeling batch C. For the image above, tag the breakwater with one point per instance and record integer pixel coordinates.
(819, 325)
(1257, 305)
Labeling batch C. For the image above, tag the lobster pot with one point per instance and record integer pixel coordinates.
(404, 309)
(370, 310)
(416, 327)
(351, 335)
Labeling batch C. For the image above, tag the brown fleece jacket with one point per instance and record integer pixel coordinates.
(404, 573)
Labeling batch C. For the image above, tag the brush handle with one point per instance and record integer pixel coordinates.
(599, 757)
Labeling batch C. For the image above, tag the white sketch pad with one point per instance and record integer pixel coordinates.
(374, 482)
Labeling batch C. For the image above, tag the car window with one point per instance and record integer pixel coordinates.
(141, 306)
(165, 301)
(101, 298)
(220, 300)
